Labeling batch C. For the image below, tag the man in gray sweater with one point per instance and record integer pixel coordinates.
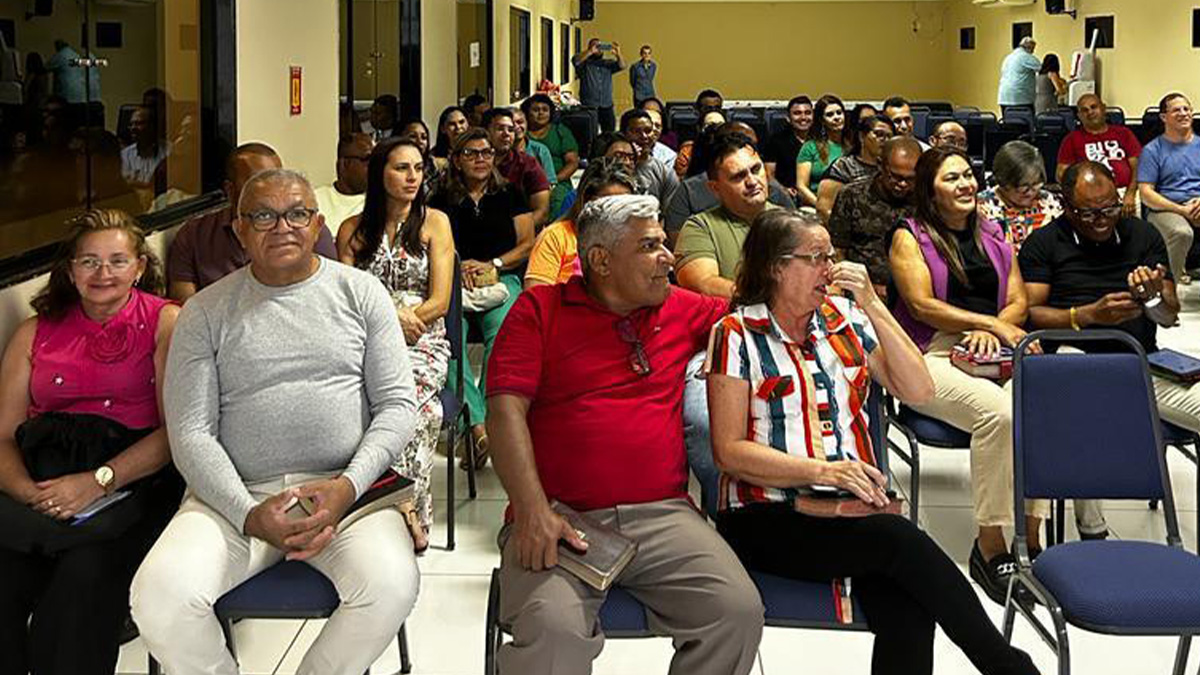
(287, 380)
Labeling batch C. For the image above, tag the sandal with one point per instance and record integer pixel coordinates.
(478, 453)
(420, 535)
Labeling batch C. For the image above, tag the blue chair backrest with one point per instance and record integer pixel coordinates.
(921, 128)
(1114, 115)
(1086, 425)
(776, 118)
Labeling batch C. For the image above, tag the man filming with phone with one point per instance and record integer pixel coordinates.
(595, 74)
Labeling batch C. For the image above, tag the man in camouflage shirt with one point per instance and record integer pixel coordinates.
(866, 211)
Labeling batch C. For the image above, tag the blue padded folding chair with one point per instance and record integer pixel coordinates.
(919, 430)
(453, 401)
(288, 590)
(776, 119)
(788, 603)
(1086, 426)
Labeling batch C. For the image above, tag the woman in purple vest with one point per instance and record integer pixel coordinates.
(958, 283)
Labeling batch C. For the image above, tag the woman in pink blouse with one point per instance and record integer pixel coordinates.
(80, 387)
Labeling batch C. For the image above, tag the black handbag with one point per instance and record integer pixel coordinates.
(59, 444)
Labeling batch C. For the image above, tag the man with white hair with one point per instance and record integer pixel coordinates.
(1018, 75)
(584, 398)
(288, 392)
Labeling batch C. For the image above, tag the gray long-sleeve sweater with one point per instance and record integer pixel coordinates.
(264, 381)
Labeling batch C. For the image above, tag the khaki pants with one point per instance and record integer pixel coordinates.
(695, 589)
(982, 408)
(1177, 234)
(201, 555)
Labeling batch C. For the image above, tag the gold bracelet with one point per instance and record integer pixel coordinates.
(1075, 319)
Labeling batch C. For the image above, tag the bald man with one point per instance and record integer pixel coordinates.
(1112, 145)
(206, 248)
(1095, 268)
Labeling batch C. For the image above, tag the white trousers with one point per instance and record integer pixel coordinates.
(201, 555)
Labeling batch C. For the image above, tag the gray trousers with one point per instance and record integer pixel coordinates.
(1177, 234)
(695, 589)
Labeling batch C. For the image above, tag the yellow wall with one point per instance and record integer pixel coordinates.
(559, 10)
(267, 45)
(765, 50)
(439, 59)
(1152, 53)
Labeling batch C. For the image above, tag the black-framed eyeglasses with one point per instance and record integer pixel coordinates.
(1093, 215)
(953, 141)
(263, 220)
(478, 153)
(639, 361)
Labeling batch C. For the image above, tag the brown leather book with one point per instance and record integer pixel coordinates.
(607, 554)
(844, 505)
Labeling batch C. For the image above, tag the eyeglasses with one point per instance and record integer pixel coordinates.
(263, 220)
(639, 362)
(1093, 215)
(626, 156)
(478, 153)
(1029, 188)
(91, 263)
(818, 259)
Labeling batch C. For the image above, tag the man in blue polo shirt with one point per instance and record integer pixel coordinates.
(1169, 181)
(595, 79)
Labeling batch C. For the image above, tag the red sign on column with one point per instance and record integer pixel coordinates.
(295, 90)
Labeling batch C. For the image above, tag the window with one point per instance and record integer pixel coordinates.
(1102, 28)
(548, 49)
(1020, 31)
(131, 124)
(578, 39)
(966, 38)
(520, 66)
(564, 48)
(1196, 28)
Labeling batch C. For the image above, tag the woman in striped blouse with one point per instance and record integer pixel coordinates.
(788, 376)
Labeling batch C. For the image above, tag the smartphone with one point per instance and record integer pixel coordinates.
(604, 46)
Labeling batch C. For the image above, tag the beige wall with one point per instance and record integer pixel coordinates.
(771, 50)
(439, 57)
(1152, 52)
(267, 45)
(559, 10)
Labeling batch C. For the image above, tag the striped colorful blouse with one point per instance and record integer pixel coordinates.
(807, 399)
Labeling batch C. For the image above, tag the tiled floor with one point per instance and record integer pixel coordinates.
(446, 630)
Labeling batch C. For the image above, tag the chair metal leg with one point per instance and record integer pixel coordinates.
(1010, 617)
(402, 642)
(227, 629)
(451, 445)
(152, 667)
(914, 480)
(491, 635)
(1061, 648)
(470, 452)
(1181, 654)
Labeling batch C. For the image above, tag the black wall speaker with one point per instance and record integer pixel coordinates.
(587, 10)
(1056, 6)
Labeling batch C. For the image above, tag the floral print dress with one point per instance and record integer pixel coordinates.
(406, 276)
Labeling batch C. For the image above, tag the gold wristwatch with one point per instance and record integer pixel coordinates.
(106, 478)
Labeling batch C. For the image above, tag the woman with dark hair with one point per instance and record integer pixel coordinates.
(959, 284)
(80, 420)
(860, 162)
(493, 234)
(822, 150)
(1051, 87)
(410, 249)
(416, 131)
(452, 123)
(787, 343)
(558, 139)
(555, 255)
(857, 113)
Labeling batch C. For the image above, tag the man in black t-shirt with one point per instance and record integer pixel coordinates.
(1092, 267)
(783, 146)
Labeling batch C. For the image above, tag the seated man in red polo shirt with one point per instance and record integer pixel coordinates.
(585, 393)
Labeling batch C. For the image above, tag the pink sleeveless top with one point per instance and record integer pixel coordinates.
(81, 366)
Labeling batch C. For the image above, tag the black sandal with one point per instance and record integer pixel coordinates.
(478, 453)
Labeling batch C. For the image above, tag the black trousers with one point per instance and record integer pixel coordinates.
(62, 614)
(904, 582)
(607, 119)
